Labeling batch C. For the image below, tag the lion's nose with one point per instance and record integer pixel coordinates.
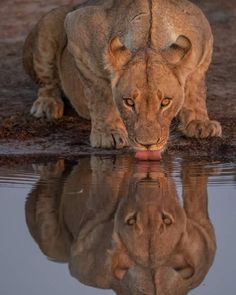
(147, 143)
(147, 146)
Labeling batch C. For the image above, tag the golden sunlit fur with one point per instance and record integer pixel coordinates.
(129, 66)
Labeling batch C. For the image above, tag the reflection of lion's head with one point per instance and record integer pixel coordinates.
(147, 91)
(155, 237)
(122, 226)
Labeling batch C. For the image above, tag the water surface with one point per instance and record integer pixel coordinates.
(117, 223)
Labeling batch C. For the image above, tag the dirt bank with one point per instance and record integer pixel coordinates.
(22, 135)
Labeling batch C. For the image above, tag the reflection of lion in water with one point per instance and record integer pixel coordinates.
(122, 226)
(130, 66)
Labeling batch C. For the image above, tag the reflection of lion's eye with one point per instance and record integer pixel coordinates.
(129, 101)
(165, 102)
(166, 219)
(131, 220)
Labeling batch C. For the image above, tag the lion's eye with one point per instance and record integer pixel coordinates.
(166, 219)
(131, 220)
(129, 101)
(165, 102)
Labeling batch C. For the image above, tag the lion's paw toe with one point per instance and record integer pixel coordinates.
(49, 107)
(109, 138)
(50, 169)
(203, 129)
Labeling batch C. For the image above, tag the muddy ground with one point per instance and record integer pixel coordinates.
(24, 136)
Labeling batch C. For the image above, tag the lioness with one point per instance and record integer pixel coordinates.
(121, 226)
(130, 66)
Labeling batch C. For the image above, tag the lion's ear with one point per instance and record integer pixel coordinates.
(120, 260)
(117, 55)
(176, 51)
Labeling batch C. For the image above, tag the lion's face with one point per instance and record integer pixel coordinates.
(148, 90)
(148, 96)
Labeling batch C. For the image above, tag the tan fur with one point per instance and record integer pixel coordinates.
(84, 221)
(102, 53)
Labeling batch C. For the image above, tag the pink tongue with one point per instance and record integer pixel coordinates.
(148, 155)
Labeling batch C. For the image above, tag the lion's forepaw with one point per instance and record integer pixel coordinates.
(203, 129)
(50, 169)
(109, 138)
(49, 107)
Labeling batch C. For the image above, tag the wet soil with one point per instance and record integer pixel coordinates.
(25, 137)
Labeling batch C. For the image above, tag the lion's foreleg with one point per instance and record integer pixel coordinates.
(194, 192)
(108, 130)
(194, 120)
(49, 103)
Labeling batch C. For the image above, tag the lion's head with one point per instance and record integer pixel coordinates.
(148, 89)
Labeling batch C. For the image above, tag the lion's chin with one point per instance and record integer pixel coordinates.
(148, 155)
